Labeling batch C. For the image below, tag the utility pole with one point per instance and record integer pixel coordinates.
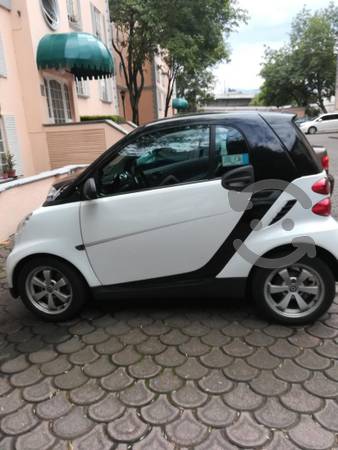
(336, 53)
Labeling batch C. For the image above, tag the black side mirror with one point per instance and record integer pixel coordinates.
(89, 189)
(238, 179)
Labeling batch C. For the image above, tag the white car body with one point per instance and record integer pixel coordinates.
(325, 123)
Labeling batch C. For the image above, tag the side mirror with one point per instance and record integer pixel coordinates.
(89, 189)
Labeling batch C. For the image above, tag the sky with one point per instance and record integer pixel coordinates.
(269, 24)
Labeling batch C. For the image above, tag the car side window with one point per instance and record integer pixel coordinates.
(161, 158)
(325, 118)
(231, 150)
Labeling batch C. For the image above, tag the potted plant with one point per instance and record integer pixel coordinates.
(9, 165)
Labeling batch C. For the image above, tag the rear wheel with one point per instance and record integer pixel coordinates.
(312, 130)
(52, 289)
(295, 294)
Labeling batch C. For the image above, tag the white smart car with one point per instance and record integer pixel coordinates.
(326, 123)
(239, 202)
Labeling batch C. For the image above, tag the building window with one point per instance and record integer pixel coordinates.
(58, 101)
(82, 88)
(51, 14)
(97, 23)
(106, 90)
(74, 17)
(2, 151)
(3, 68)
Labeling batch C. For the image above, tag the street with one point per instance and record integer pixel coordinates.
(204, 375)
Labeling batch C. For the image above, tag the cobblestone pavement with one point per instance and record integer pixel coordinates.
(152, 377)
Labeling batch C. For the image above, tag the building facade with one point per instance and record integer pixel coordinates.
(31, 99)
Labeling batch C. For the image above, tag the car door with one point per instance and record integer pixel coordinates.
(334, 122)
(325, 123)
(161, 209)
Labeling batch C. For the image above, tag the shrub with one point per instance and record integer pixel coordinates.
(114, 118)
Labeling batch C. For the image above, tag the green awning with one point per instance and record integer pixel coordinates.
(180, 104)
(82, 54)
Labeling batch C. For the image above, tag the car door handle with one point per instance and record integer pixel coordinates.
(238, 179)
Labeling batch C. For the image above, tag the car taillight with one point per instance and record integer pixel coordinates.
(322, 186)
(322, 208)
(325, 162)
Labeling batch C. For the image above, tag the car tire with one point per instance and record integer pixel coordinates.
(317, 291)
(52, 289)
(312, 130)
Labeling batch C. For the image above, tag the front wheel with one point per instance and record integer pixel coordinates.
(295, 294)
(312, 130)
(52, 289)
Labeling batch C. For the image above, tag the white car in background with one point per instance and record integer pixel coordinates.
(324, 123)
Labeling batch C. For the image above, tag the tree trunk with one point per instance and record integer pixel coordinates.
(321, 104)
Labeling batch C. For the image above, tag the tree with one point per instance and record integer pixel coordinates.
(195, 87)
(303, 71)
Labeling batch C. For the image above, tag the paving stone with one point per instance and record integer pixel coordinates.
(237, 347)
(86, 355)
(311, 360)
(247, 433)
(174, 337)
(96, 439)
(42, 356)
(215, 320)
(152, 346)
(81, 328)
(215, 413)
(160, 411)
(133, 337)
(332, 372)
(38, 439)
(262, 359)
(322, 386)
(289, 371)
(96, 337)
(239, 370)
(278, 331)
(195, 329)
(216, 359)
(191, 370)
(71, 380)
(154, 441)
(58, 336)
(56, 367)
(141, 320)
(267, 384)
(107, 410)
(273, 415)
(126, 357)
(89, 393)
(322, 331)
(23, 335)
(128, 428)
(113, 345)
(216, 441)
(99, 368)
(136, 395)
(32, 345)
(186, 430)
(254, 323)
(71, 345)
(146, 368)
(327, 417)
(259, 339)
(189, 396)
(39, 392)
(281, 441)
(117, 381)
(26, 378)
(7, 443)
(118, 328)
(299, 400)
(72, 425)
(283, 349)
(4, 386)
(329, 349)
(235, 329)
(310, 435)
(15, 365)
(157, 328)
(194, 347)
(165, 382)
(19, 422)
(177, 321)
(303, 340)
(215, 383)
(10, 402)
(170, 358)
(332, 321)
(215, 338)
(104, 321)
(53, 408)
(242, 397)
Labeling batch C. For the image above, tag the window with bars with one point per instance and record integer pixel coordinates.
(82, 88)
(97, 23)
(58, 101)
(74, 16)
(106, 90)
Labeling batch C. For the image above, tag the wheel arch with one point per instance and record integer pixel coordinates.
(20, 265)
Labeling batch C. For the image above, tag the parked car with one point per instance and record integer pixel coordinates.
(325, 123)
(223, 200)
